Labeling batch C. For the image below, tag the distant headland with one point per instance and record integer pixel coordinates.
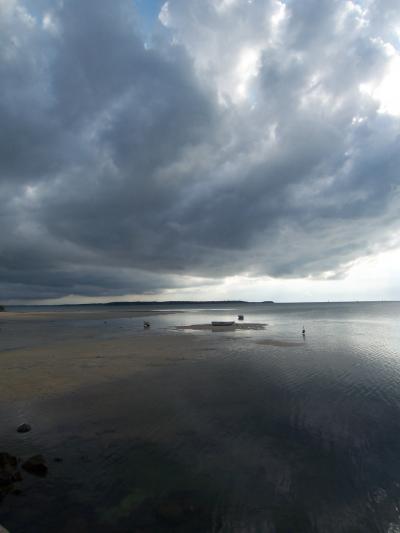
(190, 302)
(154, 303)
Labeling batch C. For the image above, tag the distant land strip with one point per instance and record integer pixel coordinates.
(141, 303)
(185, 302)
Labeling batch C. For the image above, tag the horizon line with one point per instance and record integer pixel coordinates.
(192, 302)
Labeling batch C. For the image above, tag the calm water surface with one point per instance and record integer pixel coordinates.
(240, 437)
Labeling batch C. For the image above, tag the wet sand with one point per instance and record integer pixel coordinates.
(58, 367)
(62, 367)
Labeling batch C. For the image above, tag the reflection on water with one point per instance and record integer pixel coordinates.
(242, 436)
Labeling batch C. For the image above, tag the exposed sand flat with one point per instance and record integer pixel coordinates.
(62, 367)
(209, 327)
(79, 315)
(272, 342)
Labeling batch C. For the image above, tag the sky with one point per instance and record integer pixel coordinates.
(199, 149)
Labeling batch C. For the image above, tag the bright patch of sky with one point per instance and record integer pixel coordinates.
(246, 69)
(386, 90)
(148, 12)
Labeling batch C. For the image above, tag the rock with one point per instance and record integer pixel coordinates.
(7, 483)
(2, 309)
(3, 529)
(7, 461)
(24, 428)
(57, 459)
(36, 465)
(8, 470)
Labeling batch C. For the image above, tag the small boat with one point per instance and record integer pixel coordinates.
(223, 323)
(240, 317)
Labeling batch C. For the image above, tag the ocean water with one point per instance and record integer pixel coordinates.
(240, 436)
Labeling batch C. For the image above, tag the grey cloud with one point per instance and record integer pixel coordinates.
(123, 167)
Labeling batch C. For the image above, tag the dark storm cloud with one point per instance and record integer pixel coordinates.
(124, 166)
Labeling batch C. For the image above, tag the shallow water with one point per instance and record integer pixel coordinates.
(238, 436)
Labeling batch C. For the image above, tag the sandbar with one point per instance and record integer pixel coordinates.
(64, 366)
(209, 327)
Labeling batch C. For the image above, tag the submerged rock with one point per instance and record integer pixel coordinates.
(8, 469)
(36, 465)
(24, 428)
(9, 473)
(7, 461)
(126, 507)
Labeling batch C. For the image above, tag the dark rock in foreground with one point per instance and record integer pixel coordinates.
(36, 465)
(7, 461)
(24, 428)
(9, 473)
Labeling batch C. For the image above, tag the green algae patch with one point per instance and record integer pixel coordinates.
(125, 507)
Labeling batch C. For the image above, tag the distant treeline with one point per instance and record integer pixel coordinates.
(190, 302)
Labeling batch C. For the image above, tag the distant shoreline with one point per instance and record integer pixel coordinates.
(148, 303)
(188, 302)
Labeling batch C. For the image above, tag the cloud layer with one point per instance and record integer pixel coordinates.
(252, 137)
